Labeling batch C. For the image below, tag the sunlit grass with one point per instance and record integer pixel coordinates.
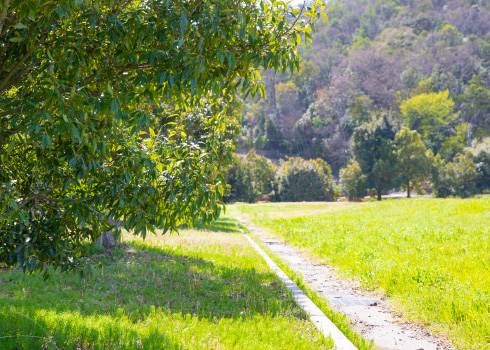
(287, 209)
(202, 289)
(431, 256)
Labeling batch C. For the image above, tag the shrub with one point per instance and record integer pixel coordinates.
(239, 177)
(305, 180)
(457, 178)
(353, 181)
(249, 178)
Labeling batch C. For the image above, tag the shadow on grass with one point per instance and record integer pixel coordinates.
(148, 278)
(221, 225)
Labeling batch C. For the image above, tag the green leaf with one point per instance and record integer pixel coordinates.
(20, 26)
(11, 146)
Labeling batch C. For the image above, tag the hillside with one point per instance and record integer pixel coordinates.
(371, 57)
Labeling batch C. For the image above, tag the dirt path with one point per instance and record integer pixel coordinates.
(371, 316)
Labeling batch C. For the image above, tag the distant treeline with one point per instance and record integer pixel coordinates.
(383, 159)
(419, 64)
(254, 178)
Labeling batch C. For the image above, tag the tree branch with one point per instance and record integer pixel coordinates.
(28, 199)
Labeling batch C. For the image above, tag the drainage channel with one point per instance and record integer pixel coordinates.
(371, 317)
(316, 315)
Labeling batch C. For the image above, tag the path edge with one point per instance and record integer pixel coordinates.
(319, 319)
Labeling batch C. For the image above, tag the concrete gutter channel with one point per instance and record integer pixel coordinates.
(374, 320)
(316, 315)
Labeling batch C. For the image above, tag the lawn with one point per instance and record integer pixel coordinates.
(430, 256)
(202, 289)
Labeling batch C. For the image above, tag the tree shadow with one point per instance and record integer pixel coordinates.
(221, 225)
(153, 278)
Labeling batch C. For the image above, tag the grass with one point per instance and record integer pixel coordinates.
(432, 257)
(286, 210)
(202, 289)
(341, 321)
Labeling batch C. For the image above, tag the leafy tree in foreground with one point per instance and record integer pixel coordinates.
(80, 139)
(413, 160)
(373, 148)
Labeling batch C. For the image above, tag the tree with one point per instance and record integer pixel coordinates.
(306, 80)
(373, 149)
(287, 101)
(413, 160)
(362, 111)
(429, 113)
(353, 181)
(464, 173)
(80, 139)
(476, 105)
(481, 154)
(455, 143)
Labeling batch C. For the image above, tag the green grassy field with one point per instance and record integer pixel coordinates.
(203, 289)
(432, 257)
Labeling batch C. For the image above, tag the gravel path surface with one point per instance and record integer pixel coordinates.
(371, 315)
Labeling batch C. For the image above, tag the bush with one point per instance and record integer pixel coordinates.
(353, 181)
(249, 178)
(457, 178)
(306, 180)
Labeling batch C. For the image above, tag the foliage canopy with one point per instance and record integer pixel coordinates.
(95, 103)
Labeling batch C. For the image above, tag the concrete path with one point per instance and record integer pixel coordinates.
(371, 316)
(316, 315)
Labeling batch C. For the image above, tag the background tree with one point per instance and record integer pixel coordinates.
(79, 140)
(373, 149)
(371, 57)
(413, 160)
(429, 114)
(481, 154)
(457, 178)
(476, 105)
(464, 174)
(455, 143)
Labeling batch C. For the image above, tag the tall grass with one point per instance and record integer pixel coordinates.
(432, 257)
(203, 289)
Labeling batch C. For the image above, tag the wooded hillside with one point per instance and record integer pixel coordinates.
(425, 64)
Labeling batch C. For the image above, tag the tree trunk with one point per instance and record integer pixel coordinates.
(108, 238)
(379, 194)
(408, 189)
